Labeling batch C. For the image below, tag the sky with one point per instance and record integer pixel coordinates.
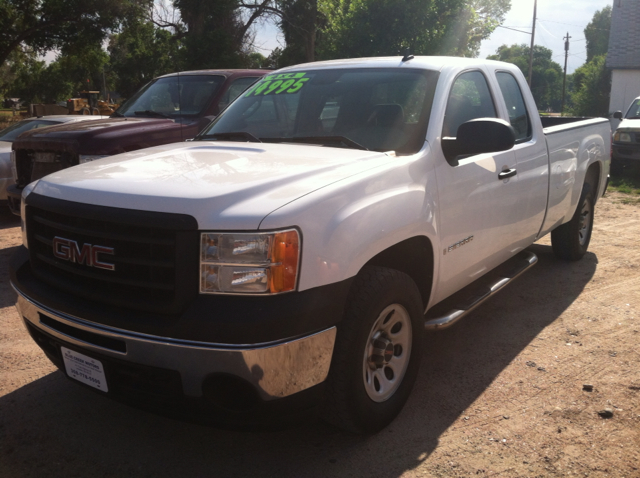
(554, 19)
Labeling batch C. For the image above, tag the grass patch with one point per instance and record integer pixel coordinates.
(633, 201)
(625, 185)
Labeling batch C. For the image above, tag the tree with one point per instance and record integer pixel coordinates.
(476, 22)
(546, 80)
(141, 52)
(72, 71)
(300, 22)
(592, 83)
(215, 33)
(597, 33)
(43, 25)
(428, 27)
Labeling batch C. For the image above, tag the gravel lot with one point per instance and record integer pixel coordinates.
(500, 394)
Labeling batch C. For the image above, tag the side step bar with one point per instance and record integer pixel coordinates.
(452, 309)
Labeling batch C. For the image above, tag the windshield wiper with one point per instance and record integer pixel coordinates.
(115, 114)
(151, 113)
(232, 136)
(318, 140)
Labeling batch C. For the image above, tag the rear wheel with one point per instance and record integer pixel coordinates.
(377, 352)
(570, 241)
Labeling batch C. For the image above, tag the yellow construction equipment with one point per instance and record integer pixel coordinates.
(89, 104)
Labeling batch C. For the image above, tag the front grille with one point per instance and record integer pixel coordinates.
(637, 137)
(155, 257)
(32, 165)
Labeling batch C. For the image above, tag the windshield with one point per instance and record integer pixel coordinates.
(377, 109)
(634, 110)
(171, 97)
(13, 131)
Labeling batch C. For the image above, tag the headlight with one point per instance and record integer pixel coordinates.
(87, 158)
(14, 170)
(622, 137)
(23, 219)
(249, 263)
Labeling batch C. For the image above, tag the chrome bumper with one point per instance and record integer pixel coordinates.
(276, 370)
(4, 182)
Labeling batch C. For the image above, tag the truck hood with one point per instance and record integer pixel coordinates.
(629, 124)
(224, 185)
(101, 137)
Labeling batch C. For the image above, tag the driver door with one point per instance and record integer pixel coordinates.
(477, 207)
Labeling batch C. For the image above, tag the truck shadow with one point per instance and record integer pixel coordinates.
(58, 428)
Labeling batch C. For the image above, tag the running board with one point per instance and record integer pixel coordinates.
(452, 309)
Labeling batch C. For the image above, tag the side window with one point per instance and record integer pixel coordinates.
(518, 115)
(469, 99)
(237, 87)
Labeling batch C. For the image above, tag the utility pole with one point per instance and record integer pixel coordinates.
(533, 36)
(564, 81)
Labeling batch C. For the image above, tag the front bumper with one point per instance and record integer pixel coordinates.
(185, 371)
(14, 196)
(626, 151)
(4, 184)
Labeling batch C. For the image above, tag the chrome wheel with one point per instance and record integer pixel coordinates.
(584, 231)
(387, 353)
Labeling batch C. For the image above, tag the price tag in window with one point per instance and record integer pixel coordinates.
(285, 83)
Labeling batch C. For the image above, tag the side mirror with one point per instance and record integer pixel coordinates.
(477, 136)
(204, 122)
(617, 115)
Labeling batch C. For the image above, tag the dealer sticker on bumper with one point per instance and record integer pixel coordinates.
(84, 369)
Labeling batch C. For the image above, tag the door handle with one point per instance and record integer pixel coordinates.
(507, 173)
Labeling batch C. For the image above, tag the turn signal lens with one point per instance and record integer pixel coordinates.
(284, 256)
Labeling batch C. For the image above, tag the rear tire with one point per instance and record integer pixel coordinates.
(570, 241)
(377, 352)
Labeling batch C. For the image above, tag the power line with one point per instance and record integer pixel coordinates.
(545, 29)
(509, 28)
(572, 25)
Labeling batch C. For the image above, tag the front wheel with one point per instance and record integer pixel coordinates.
(377, 352)
(570, 241)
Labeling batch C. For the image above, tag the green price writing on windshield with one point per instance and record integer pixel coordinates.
(278, 84)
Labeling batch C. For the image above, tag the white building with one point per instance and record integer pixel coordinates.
(624, 55)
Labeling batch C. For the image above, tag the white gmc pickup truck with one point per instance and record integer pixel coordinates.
(293, 255)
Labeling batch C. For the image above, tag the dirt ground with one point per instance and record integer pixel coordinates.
(500, 394)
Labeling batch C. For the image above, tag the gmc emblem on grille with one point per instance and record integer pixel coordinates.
(68, 250)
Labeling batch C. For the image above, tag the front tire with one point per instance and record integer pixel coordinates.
(377, 352)
(570, 241)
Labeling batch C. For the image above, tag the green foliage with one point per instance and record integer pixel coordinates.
(546, 78)
(81, 69)
(301, 24)
(597, 33)
(256, 60)
(428, 27)
(213, 34)
(141, 52)
(592, 84)
(43, 25)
